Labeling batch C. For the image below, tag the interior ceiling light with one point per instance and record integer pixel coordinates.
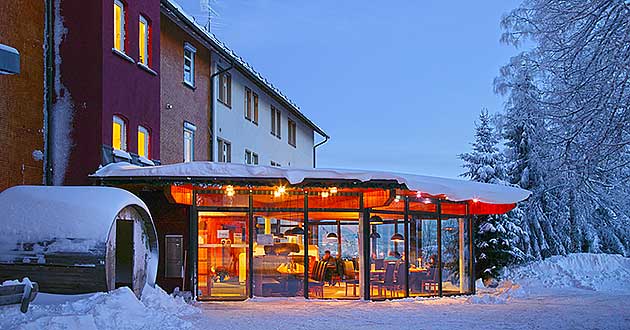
(331, 236)
(397, 238)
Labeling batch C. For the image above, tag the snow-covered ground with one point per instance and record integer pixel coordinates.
(579, 291)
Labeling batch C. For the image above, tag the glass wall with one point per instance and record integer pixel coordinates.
(411, 251)
(455, 256)
(387, 256)
(278, 254)
(222, 255)
(423, 252)
(334, 256)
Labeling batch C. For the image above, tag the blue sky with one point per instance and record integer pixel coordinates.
(397, 87)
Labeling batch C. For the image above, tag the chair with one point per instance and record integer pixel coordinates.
(316, 280)
(350, 276)
(388, 280)
(431, 283)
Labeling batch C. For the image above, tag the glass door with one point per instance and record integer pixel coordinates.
(222, 255)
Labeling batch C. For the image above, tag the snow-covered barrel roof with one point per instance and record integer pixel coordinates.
(456, 190)
(39, 213)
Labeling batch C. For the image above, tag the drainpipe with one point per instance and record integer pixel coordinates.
(48, 89)
(326, 138)
(214, 152)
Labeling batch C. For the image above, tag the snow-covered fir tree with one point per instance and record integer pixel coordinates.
(496, 236)
(568, 124)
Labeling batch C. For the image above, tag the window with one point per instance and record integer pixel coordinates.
(225, 87)
(143, 142)
(119, 26)
(119, 134)
(251, 158)
(225, 151)
(143, 42)
(248, 103)
(251, 106)
(275, 164)
(292, 136)
(275, 122)
(189, 142)
(189, 64)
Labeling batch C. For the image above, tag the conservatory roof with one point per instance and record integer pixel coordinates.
(453, 189)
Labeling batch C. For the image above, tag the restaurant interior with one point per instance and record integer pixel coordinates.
(328, 242)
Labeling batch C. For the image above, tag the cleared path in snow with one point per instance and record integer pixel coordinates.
(549, 309)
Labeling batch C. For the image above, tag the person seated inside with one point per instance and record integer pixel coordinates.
(392, 256)
(331, 267)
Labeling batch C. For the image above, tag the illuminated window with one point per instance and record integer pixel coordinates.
(225, 87)
(251, 158)
(189, 142)
(225, 151)
(189, 64)
(143, 142)
(276, 120)
(119, 134)
(292, 136)
(119, 26)
(143, 42)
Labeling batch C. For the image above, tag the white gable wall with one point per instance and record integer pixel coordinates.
(232, 127)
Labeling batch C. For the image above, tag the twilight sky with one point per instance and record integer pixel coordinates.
(397, 85)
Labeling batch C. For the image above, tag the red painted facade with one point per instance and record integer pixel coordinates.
(102, 83)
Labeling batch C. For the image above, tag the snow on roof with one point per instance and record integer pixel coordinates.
(456, 190)
(240, 61)
(39, 213)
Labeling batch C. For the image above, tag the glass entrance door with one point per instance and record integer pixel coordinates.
(223, 248)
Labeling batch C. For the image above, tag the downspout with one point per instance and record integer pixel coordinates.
(48, 90)
(214, 152)
(326, 138)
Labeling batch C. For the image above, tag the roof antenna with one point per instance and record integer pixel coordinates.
(208, 11)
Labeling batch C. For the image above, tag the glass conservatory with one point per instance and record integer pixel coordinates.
(314, 235)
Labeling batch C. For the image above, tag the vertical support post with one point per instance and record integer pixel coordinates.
(407, 243)
(471, 246)
(250, 240)
(366, 258)
(193, 245)
(460, 238)
(439, 246)
(306, 232)
(339, 240)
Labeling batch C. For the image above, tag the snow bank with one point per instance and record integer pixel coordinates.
(456, 190)
(506, 291)
(598, 272)
(119, 309)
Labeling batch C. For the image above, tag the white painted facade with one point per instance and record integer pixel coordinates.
(232, 126)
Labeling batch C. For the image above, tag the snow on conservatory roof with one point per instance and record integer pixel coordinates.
(238, 61)
(455, 190)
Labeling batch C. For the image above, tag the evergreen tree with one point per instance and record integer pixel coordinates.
(496, 237)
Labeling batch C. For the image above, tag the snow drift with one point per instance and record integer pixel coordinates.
(598, 272)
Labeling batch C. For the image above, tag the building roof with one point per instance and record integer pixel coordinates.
(453, 189)
(175, 9)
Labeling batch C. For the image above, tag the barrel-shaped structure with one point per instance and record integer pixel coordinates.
(77, 239)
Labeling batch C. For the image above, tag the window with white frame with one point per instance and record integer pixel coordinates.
(251, 106)
(276, 120)
(251, 158)
(225, 87)
(143, 42)
(225, 151)
(119, 133)
(292, 132)
(119, 26)
(143, 142)
(189, 142)
(189, 64)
